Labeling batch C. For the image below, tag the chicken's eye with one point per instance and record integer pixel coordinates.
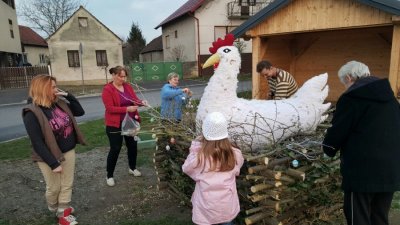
(226, 50)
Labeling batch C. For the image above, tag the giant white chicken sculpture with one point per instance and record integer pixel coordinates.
(256, 123)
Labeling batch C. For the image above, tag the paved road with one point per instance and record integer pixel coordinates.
(11, 125)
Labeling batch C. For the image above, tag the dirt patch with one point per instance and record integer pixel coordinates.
(132, 198)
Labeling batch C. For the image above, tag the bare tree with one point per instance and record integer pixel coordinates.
(47, 15)
(177, 53)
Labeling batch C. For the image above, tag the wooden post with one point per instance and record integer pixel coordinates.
(256, 43)
(394, 71)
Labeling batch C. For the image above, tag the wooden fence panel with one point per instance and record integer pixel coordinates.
(19, 77)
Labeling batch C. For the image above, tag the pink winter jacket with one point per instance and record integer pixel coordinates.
(215, 199)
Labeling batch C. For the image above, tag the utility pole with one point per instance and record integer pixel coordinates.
(80, 57)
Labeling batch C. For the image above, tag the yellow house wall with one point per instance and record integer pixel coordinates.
(93, 37)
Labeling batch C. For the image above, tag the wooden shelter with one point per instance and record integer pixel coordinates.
(310, 37)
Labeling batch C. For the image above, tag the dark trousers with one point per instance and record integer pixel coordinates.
(115, 139)
(367, 208)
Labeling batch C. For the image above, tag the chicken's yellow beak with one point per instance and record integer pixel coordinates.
(212, 60)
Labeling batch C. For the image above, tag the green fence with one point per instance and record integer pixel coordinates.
(141, 72)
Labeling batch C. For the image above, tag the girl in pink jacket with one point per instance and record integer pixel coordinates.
(214, 163)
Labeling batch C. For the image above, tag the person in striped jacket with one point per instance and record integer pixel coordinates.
(281, 84)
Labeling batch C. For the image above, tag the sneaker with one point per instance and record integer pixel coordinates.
(67, 220)
(65, 212)
(110, 181)
(135, 172)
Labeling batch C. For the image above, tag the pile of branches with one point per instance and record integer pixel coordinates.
(290, 182)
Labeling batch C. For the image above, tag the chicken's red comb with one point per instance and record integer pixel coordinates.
(228, 41)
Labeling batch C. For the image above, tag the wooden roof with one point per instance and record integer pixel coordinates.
(389, 6)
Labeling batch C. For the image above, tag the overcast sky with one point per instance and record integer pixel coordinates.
(118, 15)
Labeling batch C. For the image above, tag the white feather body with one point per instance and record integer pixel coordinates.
(256, 123)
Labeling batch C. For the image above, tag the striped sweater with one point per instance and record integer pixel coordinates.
(282, 86)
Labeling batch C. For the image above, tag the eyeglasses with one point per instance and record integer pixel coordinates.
(123, 77)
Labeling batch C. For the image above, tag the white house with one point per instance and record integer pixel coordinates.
(34, 47)
(10, 45)
(82, 50)
(188, 33)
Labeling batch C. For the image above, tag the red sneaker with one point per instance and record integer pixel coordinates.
(67, 220)
(68, 211)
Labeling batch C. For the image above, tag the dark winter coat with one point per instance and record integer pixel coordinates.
(366, 130)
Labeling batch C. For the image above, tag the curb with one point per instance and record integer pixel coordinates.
(141, 89)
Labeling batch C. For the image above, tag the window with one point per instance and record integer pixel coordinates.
(11, 28)
(25, 57)
(101, 58)
(176, 34)
(73, 58)
(42, 59)
(83, 21)
(10, 3)
(167, 44)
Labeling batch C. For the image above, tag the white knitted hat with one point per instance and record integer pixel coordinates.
(215, 127)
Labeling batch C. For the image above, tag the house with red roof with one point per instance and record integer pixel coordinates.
(34, 48)
(188, 33)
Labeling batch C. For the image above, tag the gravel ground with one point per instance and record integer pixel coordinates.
(22, 193)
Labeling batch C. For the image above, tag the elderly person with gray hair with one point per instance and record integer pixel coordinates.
(366, 130)
(173, 98)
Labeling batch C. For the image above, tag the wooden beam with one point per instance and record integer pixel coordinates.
(394, 71)
(256, 43)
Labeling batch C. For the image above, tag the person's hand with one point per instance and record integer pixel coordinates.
(132, 108)
(185, 90)
(271, 95)
(145, 103)
(58, 169)
(61, 92)
(190, 93)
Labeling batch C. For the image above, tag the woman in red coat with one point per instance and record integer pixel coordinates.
(119, 98)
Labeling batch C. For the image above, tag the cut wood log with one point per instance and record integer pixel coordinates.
(322, 179)
(254, 177)
(260, 187)
(254, 210)
(271, 173)
(287, 180)
(255, 158)
(299, 175)
(255, 169)
(257, 217)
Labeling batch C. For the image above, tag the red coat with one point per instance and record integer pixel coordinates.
(112, 103)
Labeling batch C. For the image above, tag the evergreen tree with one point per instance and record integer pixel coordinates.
(134, 44)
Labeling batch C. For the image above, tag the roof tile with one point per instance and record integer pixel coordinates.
(30, 37)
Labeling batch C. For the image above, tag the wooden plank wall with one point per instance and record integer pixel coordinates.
(312, 15)
(309, 54)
